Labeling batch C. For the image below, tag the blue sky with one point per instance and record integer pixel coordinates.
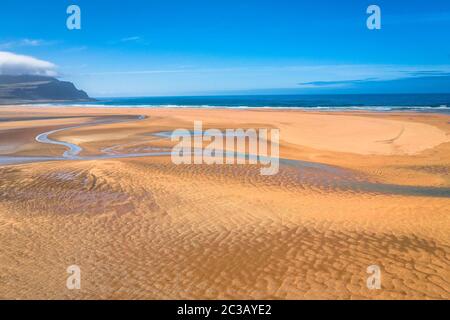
(171, 47)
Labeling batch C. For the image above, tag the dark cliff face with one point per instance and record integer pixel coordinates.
(28, 89)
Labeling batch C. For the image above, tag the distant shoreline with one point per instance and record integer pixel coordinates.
(34, 102)
(372, 102)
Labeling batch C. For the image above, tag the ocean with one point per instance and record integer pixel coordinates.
(377, 102)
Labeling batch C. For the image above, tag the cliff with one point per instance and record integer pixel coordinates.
(33, 89)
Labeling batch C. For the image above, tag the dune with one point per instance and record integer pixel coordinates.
(356, 189)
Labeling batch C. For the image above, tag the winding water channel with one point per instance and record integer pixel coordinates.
(340, 178)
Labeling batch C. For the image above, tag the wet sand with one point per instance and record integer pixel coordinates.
(354, 189)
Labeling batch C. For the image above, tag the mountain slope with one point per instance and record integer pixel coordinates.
(29, 88)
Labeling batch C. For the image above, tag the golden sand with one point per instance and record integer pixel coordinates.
(144, 228)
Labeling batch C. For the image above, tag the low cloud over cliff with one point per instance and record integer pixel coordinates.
(15, 64)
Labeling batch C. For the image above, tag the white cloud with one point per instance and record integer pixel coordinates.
(15, 64)
(294, 74)
(25, 43)
(135, 38)
(138, 40)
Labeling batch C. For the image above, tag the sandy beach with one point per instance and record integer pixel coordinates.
(354, 189)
